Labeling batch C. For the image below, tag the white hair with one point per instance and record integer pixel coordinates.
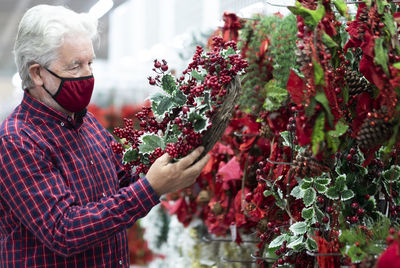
(41, 32)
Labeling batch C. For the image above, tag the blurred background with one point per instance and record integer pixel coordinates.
(132, 34)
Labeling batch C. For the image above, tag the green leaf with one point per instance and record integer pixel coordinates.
(332, 193)
(150, 143)
(319, 74)
(163, 106)
(321, 98)
(229, 51)
(328, 41)
(179, 98)
(171, 139)
(305, 185)
(323, 181)
(286, 138)
(381, 6)
(157, 97)
(340, 183)
(311, 245)
(160, 103)
(199, 121)
(311, 17)
(318, 134)
(278, 241)
(297, 192)
(318, 213)
(347, 194)
(307, 213)
(396, 65)
(275, 96)
(268, 193)
(332, 143)
(392, 174)
(320, 188)
(356, 253)
(197, 76)
(168, 83)
(389, 22)
(340, 129)
(309, 197)
(381, 54)
(306, 179)
(299, 228)
(341, 7)
(130, 155)
(296, 242)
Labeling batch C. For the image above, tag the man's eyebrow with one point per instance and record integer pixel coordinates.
(78, 62)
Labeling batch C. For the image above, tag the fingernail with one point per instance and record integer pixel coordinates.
(201, 149)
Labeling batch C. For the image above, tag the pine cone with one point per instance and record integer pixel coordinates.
(374, 131)
(266, 132)
(368, 262)
(262, 225)
(306, 165)
(203, 197)
(357, 83)
(217, 208)
(302, 58)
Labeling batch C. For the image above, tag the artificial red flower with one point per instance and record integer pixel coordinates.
(390, 257)
(323, 248)
(230, 31)
(230, 170)
(296, 86)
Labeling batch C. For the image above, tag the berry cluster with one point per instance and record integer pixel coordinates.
(177, 119)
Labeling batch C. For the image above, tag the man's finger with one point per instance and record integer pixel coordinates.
(165, 159)
(199, 165)
(190, 158)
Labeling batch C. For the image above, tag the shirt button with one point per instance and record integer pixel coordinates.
(120, 262)
(104, 194)
(69, 119)
(91, 162)
(62, 124)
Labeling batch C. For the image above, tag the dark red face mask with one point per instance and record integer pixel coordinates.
(73, 94)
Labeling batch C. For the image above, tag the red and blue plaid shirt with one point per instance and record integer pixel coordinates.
(62, 203)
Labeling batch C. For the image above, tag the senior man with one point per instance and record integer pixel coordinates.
(65, 199)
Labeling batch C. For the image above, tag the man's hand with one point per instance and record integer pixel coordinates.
(166, 177)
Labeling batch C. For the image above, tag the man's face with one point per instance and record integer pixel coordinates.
(75, 58)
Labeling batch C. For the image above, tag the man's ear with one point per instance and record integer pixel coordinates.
(34, 72)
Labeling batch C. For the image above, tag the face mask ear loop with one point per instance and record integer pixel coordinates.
(53, 73)
(48, 91)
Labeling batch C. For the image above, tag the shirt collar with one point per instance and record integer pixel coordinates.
(39, 109)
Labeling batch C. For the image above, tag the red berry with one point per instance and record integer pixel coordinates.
(157, 64)
(360, 211)
(354, 205)
(164, 67)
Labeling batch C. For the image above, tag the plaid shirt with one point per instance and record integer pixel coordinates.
(61, 200)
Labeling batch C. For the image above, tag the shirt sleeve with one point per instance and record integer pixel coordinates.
(38, 196)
